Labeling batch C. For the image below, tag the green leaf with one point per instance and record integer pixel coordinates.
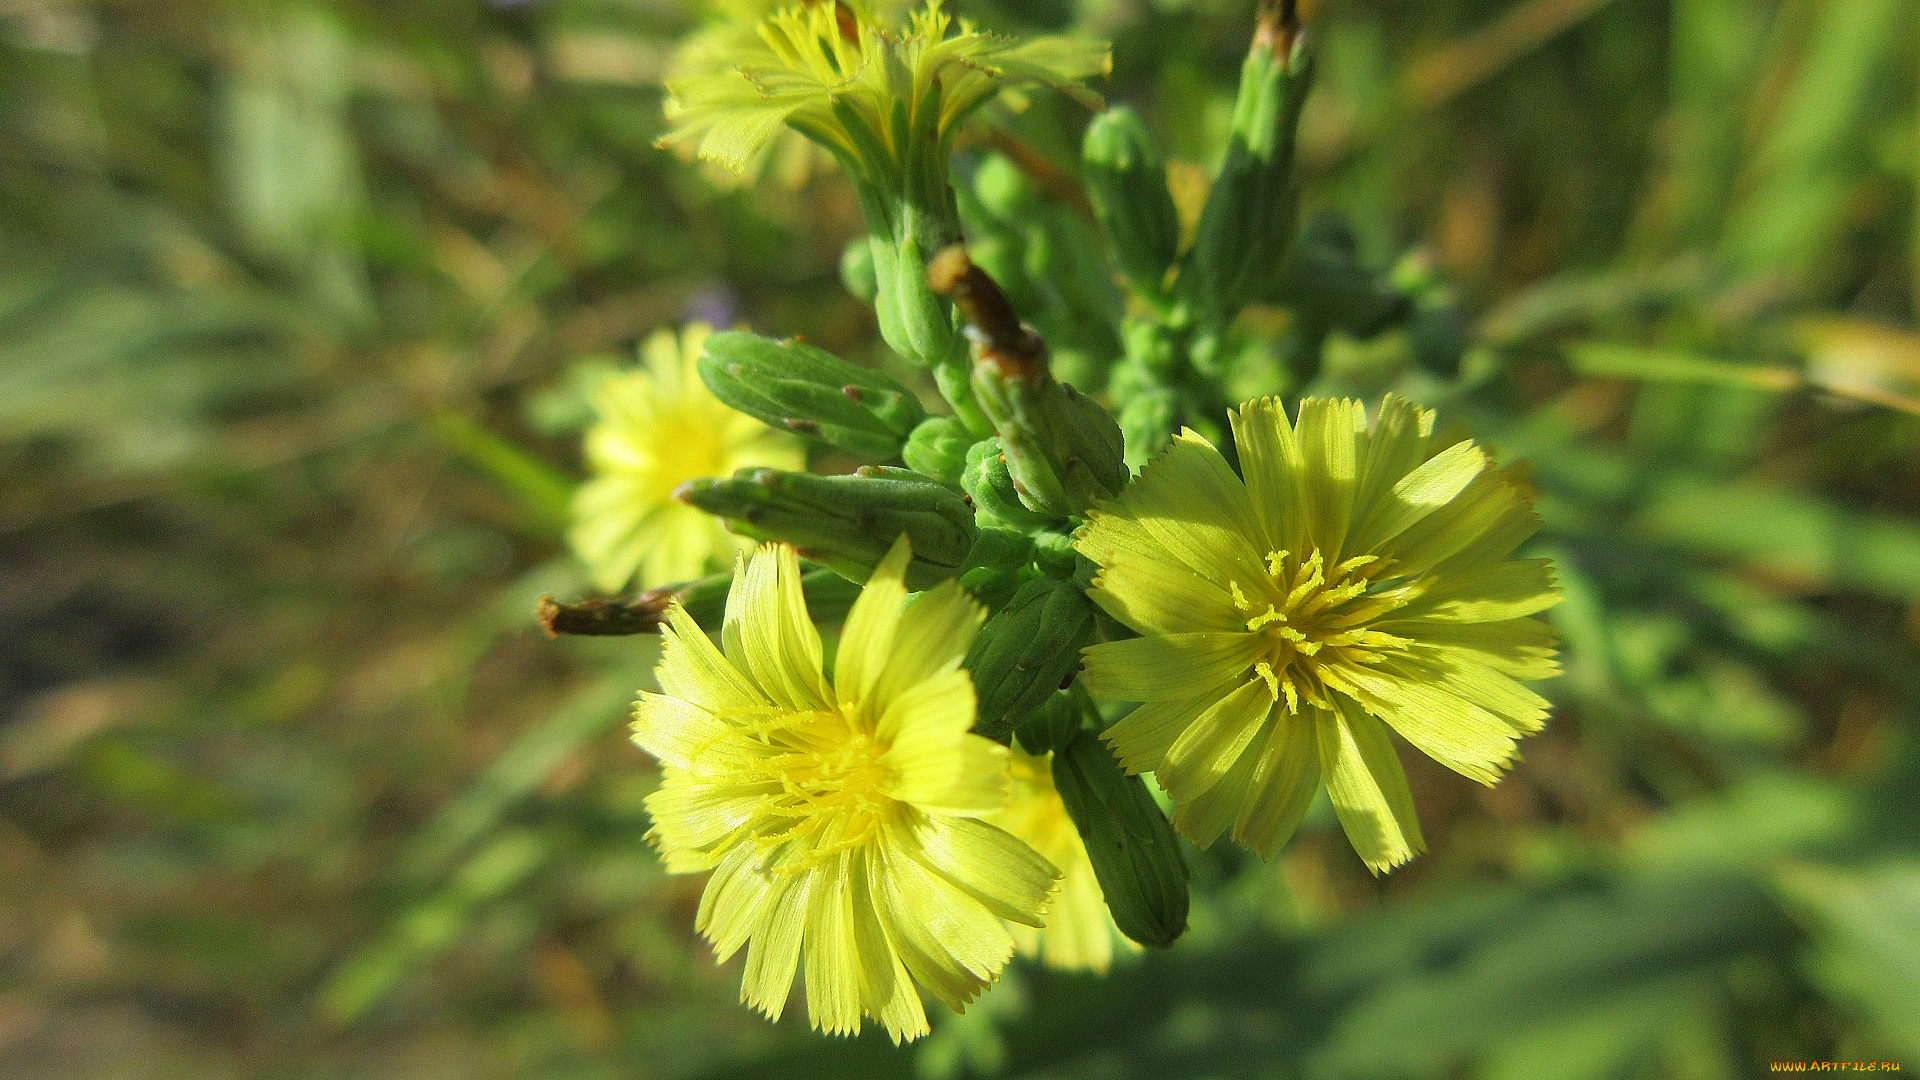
(1866, 942)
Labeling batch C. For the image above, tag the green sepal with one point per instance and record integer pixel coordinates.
(938, 448)
(989, 483)
(1027, 652)
(847, 523)
(1127, 184)
(793, 385)
(1134, 852)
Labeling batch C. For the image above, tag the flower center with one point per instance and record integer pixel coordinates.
(1310, 617)
(686, 448)
(825, 784)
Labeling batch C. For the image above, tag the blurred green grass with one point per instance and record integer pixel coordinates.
(296, 301)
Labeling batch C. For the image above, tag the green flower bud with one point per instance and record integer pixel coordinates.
(1051, 727)
(1062, 448)
(856, 270)
(1004, 190)
(995, 564)
(1250, 214)
(793, 385)
(846, 523)
(938, 448)
(989, 484)
(913, 320)
(1127, 183)
(1027, 652)
(1129, 841)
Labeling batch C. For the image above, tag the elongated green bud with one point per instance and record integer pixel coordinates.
(1127, 183)
(846, 523)
(938, 448)
(1129, 841)
(1250, 214)
(1063, 450)
(989, 483)
(1028, 652)
(793, 385)
(913, 320)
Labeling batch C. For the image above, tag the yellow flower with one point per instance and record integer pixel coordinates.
(659, 426)
(1353, 576)
(1079, 934)
(842, 817)
(830, 72)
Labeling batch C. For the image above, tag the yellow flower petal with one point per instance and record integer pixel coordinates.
(773, 953)
(987, 863)
(839, 84)
(1330, 434)
(1186, 507)
(1141, 738)
(1368, 788)
(692, 670)
(833, 961)
(736, 902)
(1441, 706)
(869, 632)
(952, 945)
(1214, 752)
(1401, 440)
(768, 632)
(1432, 485)
(931, 638)
(935, 762)
(675, 730)
(1162, 597)
(1168, 667)
(1283, 785)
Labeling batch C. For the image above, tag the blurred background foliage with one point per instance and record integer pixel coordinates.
(298, 302)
